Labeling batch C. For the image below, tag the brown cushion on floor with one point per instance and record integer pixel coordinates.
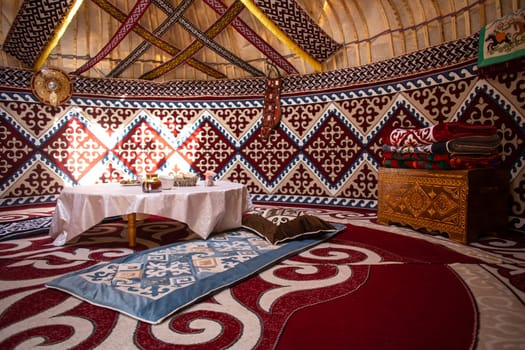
(295, 225)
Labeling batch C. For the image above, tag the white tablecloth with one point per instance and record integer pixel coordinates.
(205, 209)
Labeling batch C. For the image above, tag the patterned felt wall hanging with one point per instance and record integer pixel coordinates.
(33, 27)
(326, 150)
(298, 25)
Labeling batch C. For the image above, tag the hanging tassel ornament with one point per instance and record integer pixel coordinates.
(272, 102)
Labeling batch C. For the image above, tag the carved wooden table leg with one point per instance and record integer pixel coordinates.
(132, 229)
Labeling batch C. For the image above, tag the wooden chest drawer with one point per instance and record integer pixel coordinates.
(460, 203)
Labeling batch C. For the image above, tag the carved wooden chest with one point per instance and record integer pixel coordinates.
(460, 203)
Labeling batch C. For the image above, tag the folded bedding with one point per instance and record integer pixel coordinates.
(439, 161)
(444, 146)
(485, 145)
(437, 133)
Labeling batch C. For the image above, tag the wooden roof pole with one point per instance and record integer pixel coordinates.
(61, 28)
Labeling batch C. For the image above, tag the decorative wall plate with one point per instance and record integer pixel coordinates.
(52, 86)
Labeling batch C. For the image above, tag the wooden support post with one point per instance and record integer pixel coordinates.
(132, 229)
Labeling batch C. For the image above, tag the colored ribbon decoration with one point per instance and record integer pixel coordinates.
(254, 39)
(221, 51)
(143, 46)
(214, 30)
(155, 40)
(138, 10)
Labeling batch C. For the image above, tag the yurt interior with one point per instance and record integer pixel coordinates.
(240, 174)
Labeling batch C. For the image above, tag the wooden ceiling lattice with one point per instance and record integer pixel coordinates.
(181, 39)
(15, 44)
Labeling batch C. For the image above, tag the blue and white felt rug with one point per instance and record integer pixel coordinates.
(153, 284)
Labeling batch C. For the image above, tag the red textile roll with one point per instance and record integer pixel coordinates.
(437, 133)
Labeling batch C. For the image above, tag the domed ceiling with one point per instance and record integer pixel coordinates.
(162, 40)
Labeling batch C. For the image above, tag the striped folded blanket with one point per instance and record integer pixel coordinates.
(482, 145)
(437, 133)
(444, 161)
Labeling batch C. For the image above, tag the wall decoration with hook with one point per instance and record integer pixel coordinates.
(52, 86)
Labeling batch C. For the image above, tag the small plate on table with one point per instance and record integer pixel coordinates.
(130, 182)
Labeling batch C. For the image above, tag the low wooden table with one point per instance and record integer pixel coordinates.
(205, 209)
(460, 203)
